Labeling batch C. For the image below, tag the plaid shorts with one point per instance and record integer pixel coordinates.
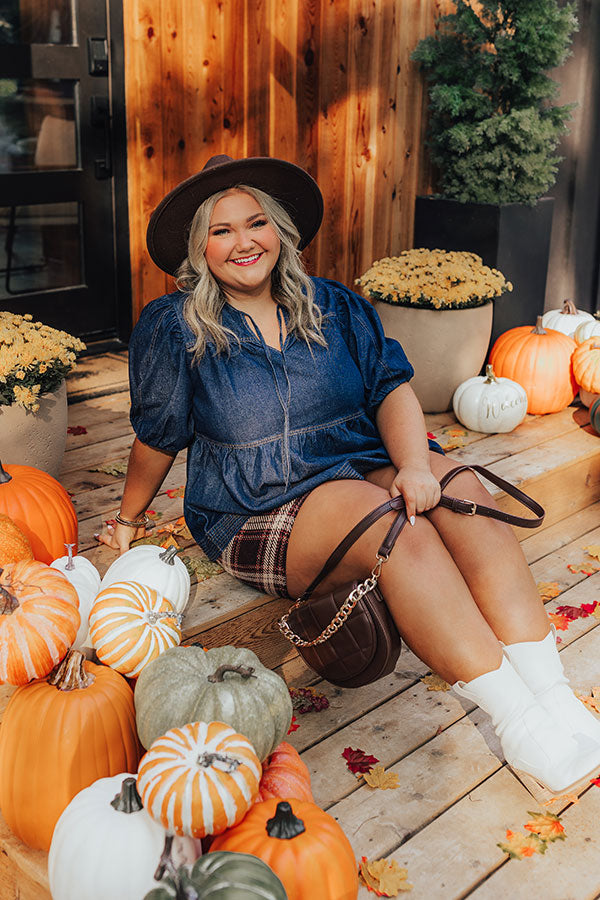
(257, 553)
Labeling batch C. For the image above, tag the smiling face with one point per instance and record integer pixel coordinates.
(243, 247)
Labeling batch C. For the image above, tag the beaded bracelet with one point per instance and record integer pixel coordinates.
(141, 523)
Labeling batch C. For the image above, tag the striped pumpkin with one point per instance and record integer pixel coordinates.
(39, 618)
(130, 625)
(199, 779)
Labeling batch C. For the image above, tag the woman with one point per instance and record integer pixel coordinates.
(299, 419)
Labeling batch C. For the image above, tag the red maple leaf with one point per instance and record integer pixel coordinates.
(588, 608)
(358, 761)
(596, 781)
(571, 612)
(294, 726)
(561, 623)
(76, 429)
(431, 436)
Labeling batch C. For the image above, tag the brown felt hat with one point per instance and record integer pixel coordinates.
(298, 193)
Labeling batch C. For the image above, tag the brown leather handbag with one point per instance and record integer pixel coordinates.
(348, 635)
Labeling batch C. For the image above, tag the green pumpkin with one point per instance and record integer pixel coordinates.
(224, 876)
(225, 684)
(595, 415)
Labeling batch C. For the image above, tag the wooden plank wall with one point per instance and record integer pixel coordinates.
(327, 84)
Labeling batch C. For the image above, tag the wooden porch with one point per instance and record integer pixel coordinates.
(456, 797)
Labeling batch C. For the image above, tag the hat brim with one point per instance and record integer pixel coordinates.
(295, 189)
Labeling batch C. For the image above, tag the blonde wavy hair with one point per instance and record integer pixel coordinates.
(291, 287)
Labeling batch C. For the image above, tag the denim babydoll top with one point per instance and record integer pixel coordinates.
(262, 426)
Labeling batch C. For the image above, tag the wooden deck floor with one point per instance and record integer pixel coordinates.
(456, 797)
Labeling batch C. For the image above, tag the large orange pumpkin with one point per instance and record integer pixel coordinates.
(40, 507)
(284, 775)
(58, 737)
(39, 618)
(305, 847)
(14, 545)
(586, 365)
(539, 359)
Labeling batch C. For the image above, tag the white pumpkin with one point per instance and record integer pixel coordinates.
(489, 404)
(589, 328)
(101, 851)
(85, 578)
(567, 319)
(156, 568)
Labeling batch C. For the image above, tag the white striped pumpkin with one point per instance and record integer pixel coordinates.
(130, 625)
(199, 779)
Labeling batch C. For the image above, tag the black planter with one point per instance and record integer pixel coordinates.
(512, 238)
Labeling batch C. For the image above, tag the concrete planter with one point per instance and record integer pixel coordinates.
(36, 438)
(445, 347)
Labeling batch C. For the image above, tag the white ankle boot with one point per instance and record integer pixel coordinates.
(532, 741)
(538, 663)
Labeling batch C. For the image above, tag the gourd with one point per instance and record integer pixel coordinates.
(58, 737)
(199, 779)
(303, 845)
(566, 319)
(540, 361)
(105, 845)
(489, 404)
(222, 876)
(225, 684)
(155, 567)
(586, 365)
(595, 415)
(39, 618)
(285, 775)
(589, 328)
(130, 625)
(40, 507)
(85, 578)
(14, 545)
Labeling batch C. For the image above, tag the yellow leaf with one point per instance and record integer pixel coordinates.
(596, 612)
(518, 846)
(456, 432)
(377, 777)
(546, 825)
(593, 550)
(435, 683)
(592, 701)
(583, 568)
(548, 589)
(452, 444)
(566, 798)
(387, 879)
(169, 541)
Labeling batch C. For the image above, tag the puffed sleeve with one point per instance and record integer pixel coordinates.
(381, 360)
(159, 380)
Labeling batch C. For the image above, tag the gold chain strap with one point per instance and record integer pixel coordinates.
(342, 614)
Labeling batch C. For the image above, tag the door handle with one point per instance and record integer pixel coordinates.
(100, 118)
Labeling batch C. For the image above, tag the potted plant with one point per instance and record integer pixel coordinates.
(34, 360)
(438, 304)
(493, 134)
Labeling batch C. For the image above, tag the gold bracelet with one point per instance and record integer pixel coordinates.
(141, 523)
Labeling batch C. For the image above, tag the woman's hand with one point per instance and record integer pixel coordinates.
(419, 487)
(119, 537)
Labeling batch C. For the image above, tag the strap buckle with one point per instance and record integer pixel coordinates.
(469, 512)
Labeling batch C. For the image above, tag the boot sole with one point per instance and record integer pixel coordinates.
(575, 788)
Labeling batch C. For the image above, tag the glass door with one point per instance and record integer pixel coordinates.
(57, 240)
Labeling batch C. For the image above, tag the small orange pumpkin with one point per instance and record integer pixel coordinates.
(39, 618)
(586, 365)
(284, 776)
(14, 545)
(304, 846)
(39, 505)
(58, 737)
(539, 359)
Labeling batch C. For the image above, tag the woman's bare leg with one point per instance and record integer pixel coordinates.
(424, 589)
(488, 555)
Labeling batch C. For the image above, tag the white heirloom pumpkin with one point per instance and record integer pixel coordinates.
(85, 578)
(489, 404)
(567, 319)
(155, 567)
(589, 328)
(105, 846)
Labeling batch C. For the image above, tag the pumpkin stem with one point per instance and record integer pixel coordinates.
(569, 308)
(538, 327)
(70, 564)
(284, 824)
(8, 602)
(165, 862)
(244, 671)
(70, 675)
(127, 800)
(4, 476)
(153, 617)
(489, 375)
(174, 880)
(168, 555)
(228, 763)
